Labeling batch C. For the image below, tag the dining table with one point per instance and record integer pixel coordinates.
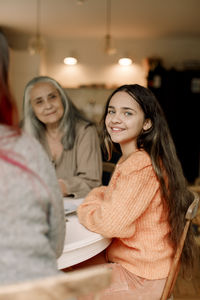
(80, 243)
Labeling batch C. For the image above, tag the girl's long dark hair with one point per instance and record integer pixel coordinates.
(158, 143)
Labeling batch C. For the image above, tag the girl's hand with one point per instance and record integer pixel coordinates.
(62, 187)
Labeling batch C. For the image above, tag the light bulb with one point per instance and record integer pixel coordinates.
(70, 61)
(125, 61)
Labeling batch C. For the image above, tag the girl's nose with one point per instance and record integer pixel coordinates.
(116, 118)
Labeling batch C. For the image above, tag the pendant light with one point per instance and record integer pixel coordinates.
(70, 60)
(108, 41)
(125, 61)
(36, 44)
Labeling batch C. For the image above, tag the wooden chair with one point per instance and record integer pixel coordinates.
(196, 186)
(197, 181)
(169, 285)
(61, 287)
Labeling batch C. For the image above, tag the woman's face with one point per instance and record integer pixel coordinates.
(125, 120)
(46, 103)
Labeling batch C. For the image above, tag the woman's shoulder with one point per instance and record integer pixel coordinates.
(136, 161)
(25, 142)
(11, 138)
(27, 152)
(83, 127)
(21, 144)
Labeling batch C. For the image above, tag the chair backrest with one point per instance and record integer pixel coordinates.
(197, 181)
(171, 279)
(61, 287)
(196, 186)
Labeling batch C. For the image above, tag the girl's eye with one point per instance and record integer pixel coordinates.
(111, 112)
(128, 113)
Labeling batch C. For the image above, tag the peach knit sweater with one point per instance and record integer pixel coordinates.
(130, 211)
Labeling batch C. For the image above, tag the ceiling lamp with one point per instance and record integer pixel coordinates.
(70, 61)
(108, 47)
(36, 44)
(125, 61)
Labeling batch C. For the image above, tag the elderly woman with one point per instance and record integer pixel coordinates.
(70, 140)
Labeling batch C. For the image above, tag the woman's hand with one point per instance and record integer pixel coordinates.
(62, 187)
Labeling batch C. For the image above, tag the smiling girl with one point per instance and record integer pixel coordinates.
(143, 207)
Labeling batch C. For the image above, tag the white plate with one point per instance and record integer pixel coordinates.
(69, 208)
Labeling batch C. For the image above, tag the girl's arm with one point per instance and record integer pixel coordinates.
(111, 211)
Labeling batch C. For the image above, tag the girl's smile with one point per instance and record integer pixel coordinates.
(125, 121)
(117, 129)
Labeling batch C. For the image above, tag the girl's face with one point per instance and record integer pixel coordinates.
(125, 120)
(46, 103)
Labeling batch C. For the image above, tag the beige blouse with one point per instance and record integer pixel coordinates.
(80, 167)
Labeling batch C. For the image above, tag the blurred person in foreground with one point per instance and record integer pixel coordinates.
(70, 140)
(31, 207)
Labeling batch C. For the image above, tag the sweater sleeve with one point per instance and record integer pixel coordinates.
(112, 211)
(89, 164)
(57, 224)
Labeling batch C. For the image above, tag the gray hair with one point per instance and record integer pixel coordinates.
(34, 127)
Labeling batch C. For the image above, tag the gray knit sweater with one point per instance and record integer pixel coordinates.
(32, 225)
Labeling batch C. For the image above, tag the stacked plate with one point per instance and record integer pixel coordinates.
(69, 208)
